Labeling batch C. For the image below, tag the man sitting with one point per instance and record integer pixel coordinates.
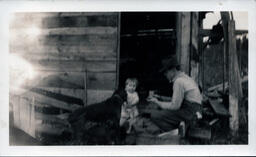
(186, 98)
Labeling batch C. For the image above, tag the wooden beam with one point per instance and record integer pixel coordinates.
(75, 93)
(66, 66)
(71, 80)
(118, 50)
(235, 88)
(23, 32)
(59, 49)
(36, 15)
(219, 87)
(183, 40)
(50, 101)
(85, 88)
(44, 21)
(207, 32)
(194, 52)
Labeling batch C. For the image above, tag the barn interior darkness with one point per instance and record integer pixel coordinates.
(146, 38)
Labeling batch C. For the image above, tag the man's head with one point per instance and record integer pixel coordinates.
(131, 84)
(170, 66)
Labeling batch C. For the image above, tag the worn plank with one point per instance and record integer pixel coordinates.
(118, 50)
(218, 108)
(81, 49)
(235, 87)
(72, 80)
(60, 97)
(105, 81)
(32, 118)
(194, 53)
(74, 66)
(85, 87)
(195, 29)
(15, 100)
(101, 66)
(62, 21)
(24, 32)
(59, 65)
(65, 40)
(36, 15)
(25, 115)
(76, 93)
(183, 40)
(76, 56)
(79, 21)
(96, 96)
(50, 101)
(206, 32)
(219, 87)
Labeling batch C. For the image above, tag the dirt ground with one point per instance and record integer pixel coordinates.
(219, 135)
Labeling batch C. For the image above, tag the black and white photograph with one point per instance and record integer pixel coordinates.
(103, 78)
(128, 78)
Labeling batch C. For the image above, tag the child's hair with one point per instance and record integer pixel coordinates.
(131, 80)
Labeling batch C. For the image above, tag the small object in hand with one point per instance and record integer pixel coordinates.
(199, 115)
(151, 94)
(152, 99)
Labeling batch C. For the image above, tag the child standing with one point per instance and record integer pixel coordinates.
(129, 112)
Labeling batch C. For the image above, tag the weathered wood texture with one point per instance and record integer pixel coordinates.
(187, 43)
(74, 56)
(183, 40)
(56, 20)
(194, 52)
(219, 87)
(23, 112)
(235, 88)
(62, 47)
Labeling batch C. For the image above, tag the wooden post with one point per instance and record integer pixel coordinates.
(235, 88)
(183, 40)
(194, 52)
(85, 87)
(201, 56)
(234, 80)
(118, 49)
(32, 118)
(225, 18)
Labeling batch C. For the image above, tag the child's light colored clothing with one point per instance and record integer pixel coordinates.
(129, 110)
(132, 98)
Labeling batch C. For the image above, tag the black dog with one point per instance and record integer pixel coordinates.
(104, 113)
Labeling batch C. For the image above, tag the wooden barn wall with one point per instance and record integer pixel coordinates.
(74, 56)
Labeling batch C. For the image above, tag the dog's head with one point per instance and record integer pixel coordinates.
(121, 94)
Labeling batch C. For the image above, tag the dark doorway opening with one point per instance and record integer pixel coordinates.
(146, 39)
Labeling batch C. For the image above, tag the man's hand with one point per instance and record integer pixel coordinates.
(156, 96)
(152, 99)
